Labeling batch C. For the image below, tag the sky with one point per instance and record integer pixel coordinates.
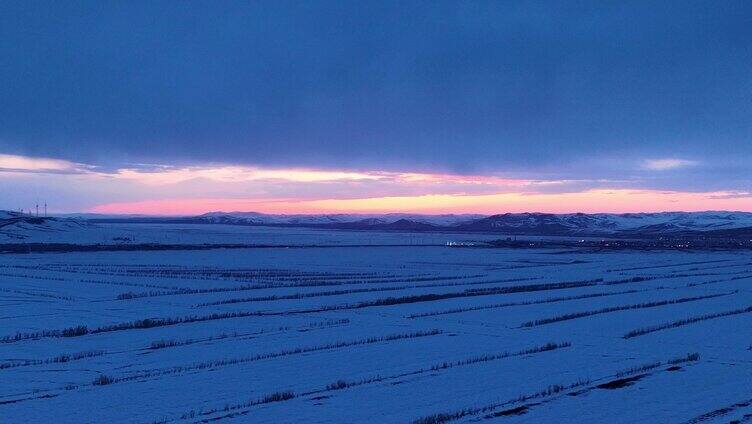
(188, 107)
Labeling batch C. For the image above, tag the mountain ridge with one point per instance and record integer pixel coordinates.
(652, 224)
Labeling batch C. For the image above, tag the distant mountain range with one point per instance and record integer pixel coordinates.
(534, 224)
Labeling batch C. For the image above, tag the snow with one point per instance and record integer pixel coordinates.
(259, 218)
(78, 232)
(592, 223)
(665, 222)
(304, 300)
(17, 227)
(254, 228)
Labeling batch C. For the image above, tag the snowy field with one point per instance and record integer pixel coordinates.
(367, 333)
(85, 233)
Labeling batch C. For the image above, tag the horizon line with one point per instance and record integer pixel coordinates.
(530, 212)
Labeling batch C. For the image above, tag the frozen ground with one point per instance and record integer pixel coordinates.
(388, 334)
(73, 231)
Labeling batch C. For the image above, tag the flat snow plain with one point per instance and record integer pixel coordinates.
(363, 333)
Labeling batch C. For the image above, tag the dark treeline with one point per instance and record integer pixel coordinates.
(272, 355)
(682, 322)
(354, 291)
(132, 295)
(345, 384)
(525, 302)
(551, 390)
(59, 359)
(653, 304)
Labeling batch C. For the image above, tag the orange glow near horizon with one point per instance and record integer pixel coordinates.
(192, 190)
(590, 201)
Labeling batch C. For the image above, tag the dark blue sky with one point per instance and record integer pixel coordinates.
(581, 90)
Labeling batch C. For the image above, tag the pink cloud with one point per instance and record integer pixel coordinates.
(616, 201)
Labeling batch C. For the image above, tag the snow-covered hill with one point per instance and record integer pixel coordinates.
(18, 227)
(15, 227)
(613, 224)
(577, 224)
(247, 218)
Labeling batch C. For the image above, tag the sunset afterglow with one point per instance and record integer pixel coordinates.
(575, 110)
(593, 201)
(196, 189)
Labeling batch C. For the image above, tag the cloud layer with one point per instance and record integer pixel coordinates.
(457, 87)
(170, 190)
(112, 103)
